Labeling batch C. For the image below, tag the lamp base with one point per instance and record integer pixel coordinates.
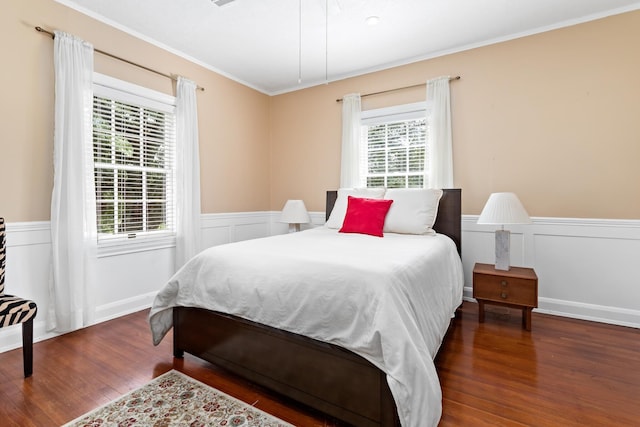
(294, 228)
(503, 258)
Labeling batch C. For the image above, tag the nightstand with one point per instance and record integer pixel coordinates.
(517, 288)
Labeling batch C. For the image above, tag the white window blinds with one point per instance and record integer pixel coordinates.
(394, 147)
(134, 160)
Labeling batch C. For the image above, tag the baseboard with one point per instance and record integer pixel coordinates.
(11, 337)
(123, 307)
(591, 312)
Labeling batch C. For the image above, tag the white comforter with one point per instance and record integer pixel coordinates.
(387, 299)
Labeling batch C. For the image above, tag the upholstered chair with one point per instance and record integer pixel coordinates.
(15, 310)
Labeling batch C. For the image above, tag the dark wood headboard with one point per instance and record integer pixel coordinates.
(448, 221)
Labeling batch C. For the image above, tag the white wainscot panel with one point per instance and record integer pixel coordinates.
(598, 269)
(218, 229)
(587, 269)
(129, 282)
(251, 231)
(27, 275)
(214, 236)
(597, 277)
(277, 227)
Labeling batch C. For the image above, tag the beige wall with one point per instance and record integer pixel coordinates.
(554, 117)
(233, 119)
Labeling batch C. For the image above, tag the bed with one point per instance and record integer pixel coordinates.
(350, 382)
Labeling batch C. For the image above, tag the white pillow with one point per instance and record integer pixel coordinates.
(413, 210)
(340, 208)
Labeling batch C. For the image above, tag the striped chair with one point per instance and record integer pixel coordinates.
(15, 310)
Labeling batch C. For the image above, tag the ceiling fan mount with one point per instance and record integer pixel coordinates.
(221, 2)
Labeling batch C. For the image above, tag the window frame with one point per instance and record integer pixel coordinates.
(386, 115)
(126, 92)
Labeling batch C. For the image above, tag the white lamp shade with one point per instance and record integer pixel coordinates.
(504, 208)
(295, 212)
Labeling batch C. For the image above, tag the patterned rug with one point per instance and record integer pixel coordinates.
(174, 399)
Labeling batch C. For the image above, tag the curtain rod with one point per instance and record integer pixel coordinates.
(398, 88)
(42, 30)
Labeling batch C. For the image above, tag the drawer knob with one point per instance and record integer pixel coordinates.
(503, 283)
(503, 295)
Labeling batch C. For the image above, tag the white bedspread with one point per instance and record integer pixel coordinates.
(387, 299)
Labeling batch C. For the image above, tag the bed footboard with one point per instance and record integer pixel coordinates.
(322, 376)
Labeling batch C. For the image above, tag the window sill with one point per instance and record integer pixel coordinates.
(115, 247)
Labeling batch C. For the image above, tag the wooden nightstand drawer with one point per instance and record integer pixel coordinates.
(505, 289)
(517, 287)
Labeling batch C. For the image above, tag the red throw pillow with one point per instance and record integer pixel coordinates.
(365, 216)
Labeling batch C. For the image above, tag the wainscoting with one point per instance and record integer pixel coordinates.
(587, 269)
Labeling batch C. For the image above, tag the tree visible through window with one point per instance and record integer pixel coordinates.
(133, 164)
(394, 153)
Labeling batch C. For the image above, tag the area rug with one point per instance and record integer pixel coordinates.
(174, 399)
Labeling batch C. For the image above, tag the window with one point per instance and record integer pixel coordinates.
(134, 167)
(393, 147)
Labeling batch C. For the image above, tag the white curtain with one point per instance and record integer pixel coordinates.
(350, 162)
(187, 173)
(73, 203)
(440, 160)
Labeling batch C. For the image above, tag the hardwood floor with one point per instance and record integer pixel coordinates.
(564, 372)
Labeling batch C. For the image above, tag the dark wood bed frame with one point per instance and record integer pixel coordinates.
(324, 377)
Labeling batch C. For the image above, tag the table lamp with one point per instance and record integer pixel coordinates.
(503, 209)
(295, 213)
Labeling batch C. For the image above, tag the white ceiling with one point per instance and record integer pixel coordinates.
(258, 42)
